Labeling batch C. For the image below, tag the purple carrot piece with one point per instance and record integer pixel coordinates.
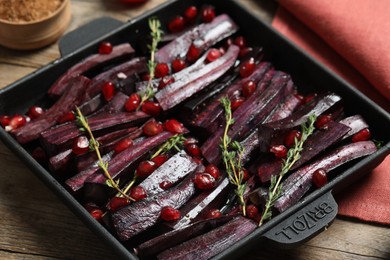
(173, 170)
(299, 182)
(285, 109)
(91, 105)
(203, 36)
(174, 237)
(59, 87)
(185, 87)
(115, 105)
(60, 161)
(259, 196)
(356, 123)
(143, 214)
(66, 103)
(250, 145)
(211, 243)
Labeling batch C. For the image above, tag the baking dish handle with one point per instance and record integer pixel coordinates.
(305, 223)
(86, 33)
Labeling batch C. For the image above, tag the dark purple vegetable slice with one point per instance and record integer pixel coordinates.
(285, 109)
(356, 123)
(59, 87)
(213, 242)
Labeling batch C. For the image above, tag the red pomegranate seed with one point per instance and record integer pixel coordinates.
(108, 91)
(362, 135)
(194, 150)
(123, 144)
(138, 193)
(240, 42)
(193, 53)
(117, 203)
(133, 102)
(248, 87)
(309, 98)
(247, 67)
(96, 214)
(145, 77)
(105, 48)
(39, 154)
(145, 168)
(214, 213)
(244, 51)
(80, 145)
(152, 128)
(174, 126)
(289, 140)
(169, 213)
(319, 178)
(322, 121)
(160, 159)
(279, 151)
(252, 212)
(66, 117)
(245, 174)
(236, 102)
(213, 55)
(151, 108)
(204, 181)
(165, 81)
(213, 171)
(165, 185)
(178, 65)
(35, 111)
(176, 24)
(4, 120)
(190, 13)
(15, 122)
(208, 14)
(161, 70)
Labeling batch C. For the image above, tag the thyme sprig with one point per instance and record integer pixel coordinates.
(232, 153)
(293, 155)
(156, 34)
(94, 146)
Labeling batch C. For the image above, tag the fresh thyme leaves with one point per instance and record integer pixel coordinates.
(232, 153)
(293, 155)
(94, 146)
(156, 33)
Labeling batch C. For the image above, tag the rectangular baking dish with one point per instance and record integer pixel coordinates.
(309, 75)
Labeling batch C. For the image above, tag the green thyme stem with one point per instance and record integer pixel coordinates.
(232, 152)
(94, 145)
(293, 155)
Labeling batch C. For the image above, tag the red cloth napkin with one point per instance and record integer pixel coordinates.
(352, 38)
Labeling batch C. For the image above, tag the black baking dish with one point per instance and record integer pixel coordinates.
(307, 73)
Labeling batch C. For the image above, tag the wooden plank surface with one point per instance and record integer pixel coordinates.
(36, 225)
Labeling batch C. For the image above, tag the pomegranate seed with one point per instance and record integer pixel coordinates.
(322, 120)
(240, 42)
(174, 126)
(165, 185)
(160, 159)
(236, 102)
(138, 193)
(123, 144)
(117, 203)
(176, 24)
(35, 111)
(193, 53)
(108, 91)
(244, 51)
(190, 13)
(204, 181)
(213, 55)
(165, 81)
(151, 108)
(279, 151)
(248, 88)
(39, 154)
(178, 65)
(247, 67)
(152, 128)
(319, 178)
(15, 122)
(213, 171)
(289, 140)
(194, 150)
(161, 70)
(300, 97)
(66, 117)
(96, 214)
(145, 77)
(309, 98)
(169, 213)
(214, 213)
(4, 120)
(80, 145)
(145, 168)
(362, 135)
(245, 174)
(105, 48)
(252, 212)
(208, 14)
(197, 160)
(133, 102)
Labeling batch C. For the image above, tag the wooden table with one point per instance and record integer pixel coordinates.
(36, 225)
